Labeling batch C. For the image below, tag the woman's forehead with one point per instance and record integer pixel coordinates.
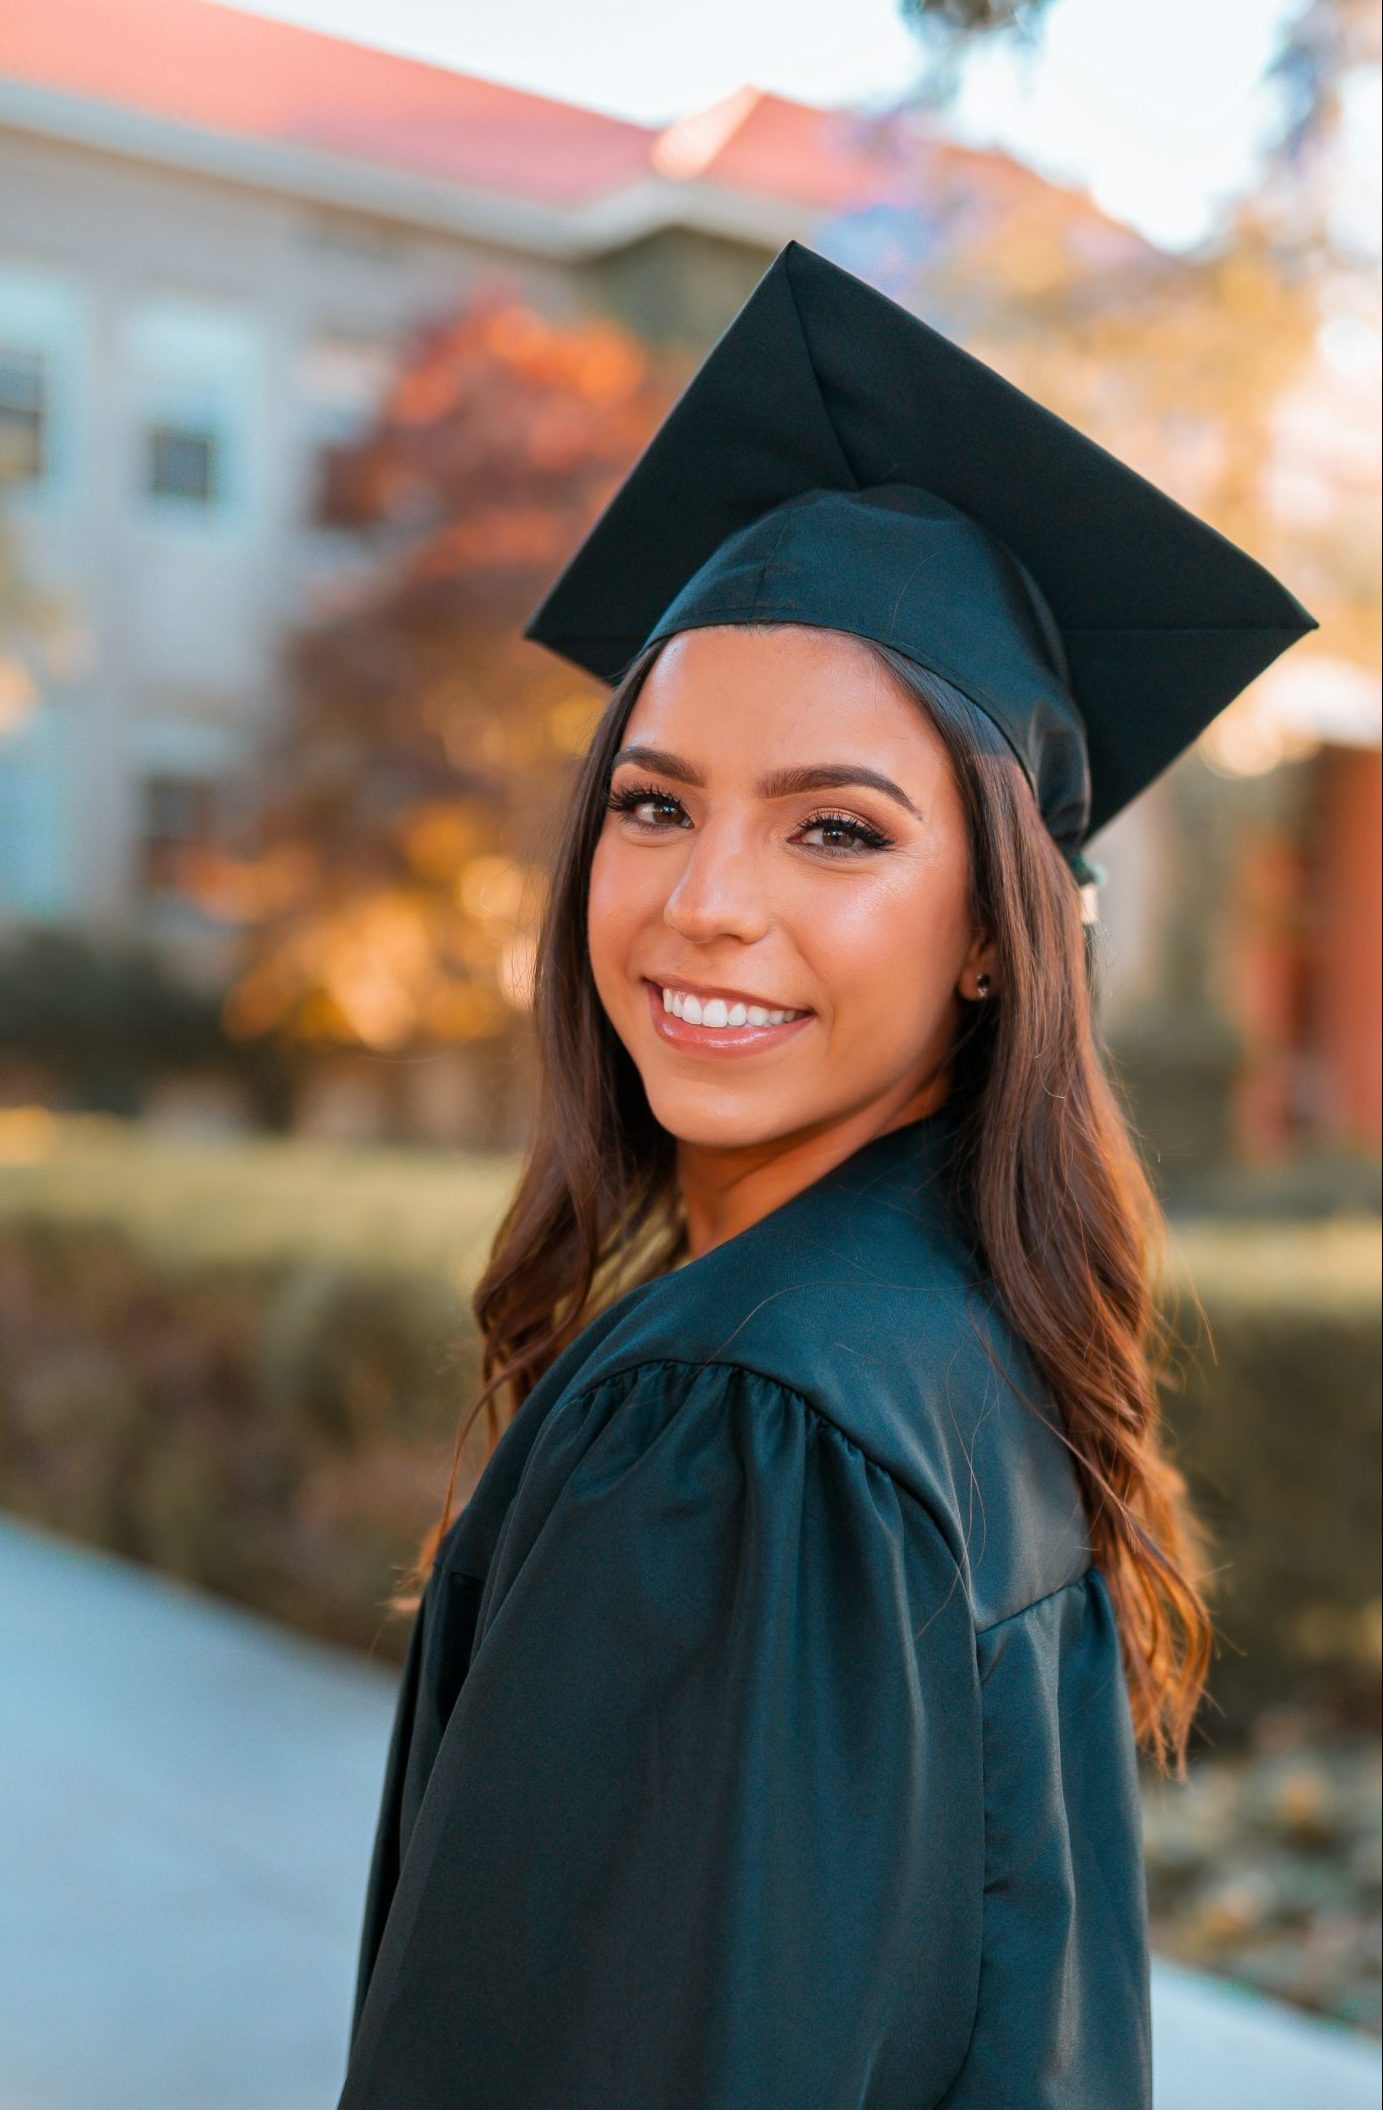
(747, 691)
(704, 650)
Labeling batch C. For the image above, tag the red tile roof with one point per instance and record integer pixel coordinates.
(219, 70)
(833, 159)
(760, 142)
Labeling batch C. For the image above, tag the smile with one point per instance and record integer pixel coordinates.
(757, 1027)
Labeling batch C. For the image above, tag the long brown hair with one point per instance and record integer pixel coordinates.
(1047, 1170)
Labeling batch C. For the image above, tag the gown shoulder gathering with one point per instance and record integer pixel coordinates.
(763, 1742)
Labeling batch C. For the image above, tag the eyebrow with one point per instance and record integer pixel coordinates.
(777, 783)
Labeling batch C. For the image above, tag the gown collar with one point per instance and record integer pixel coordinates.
(893, 1169)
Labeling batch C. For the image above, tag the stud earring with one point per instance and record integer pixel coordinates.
(982, 985)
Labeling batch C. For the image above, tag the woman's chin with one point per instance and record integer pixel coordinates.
(719, 1117)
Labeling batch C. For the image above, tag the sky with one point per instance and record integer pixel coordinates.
(1157, 107)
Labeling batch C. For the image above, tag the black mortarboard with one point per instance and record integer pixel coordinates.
(836, 461)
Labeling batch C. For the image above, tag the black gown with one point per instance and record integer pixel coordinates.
(763, 1742)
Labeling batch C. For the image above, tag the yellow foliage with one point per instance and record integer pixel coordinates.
(500, 888)
(26, 1134)
(461, 1011)
(255, 1005)
(572, 722)
(438, 839)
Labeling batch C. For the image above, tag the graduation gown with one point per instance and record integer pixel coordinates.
(763, 1742)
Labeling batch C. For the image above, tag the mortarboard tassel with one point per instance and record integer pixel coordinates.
(1089, 878)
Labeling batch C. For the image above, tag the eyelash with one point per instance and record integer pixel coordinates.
(867, 837)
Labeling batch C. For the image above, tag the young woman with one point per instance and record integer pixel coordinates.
(767, 1738)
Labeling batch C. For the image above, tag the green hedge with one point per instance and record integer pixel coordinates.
(245, 1364)
(1276, 1412)
(241, 1364)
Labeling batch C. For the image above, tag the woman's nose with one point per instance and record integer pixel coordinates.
(719, 890)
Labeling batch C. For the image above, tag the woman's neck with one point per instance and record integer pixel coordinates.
(726, 1190)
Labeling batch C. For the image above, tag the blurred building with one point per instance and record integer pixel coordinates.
(214, 230)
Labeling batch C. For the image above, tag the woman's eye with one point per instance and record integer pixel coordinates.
(852, 835)
(859, 835)
(633, 796)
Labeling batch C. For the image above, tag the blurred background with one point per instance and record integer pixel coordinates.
(325, 330)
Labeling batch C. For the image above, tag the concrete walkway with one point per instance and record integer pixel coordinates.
(187, 1799)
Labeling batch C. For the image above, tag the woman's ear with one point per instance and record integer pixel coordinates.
(978, 976)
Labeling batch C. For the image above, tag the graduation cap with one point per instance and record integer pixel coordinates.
(836, 461)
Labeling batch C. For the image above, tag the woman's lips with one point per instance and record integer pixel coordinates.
(717, 1040)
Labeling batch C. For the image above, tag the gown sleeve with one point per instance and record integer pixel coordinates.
(705, 1827)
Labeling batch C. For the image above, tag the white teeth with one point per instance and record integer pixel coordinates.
(717, 1012)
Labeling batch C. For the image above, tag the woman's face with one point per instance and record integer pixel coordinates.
(721, 872)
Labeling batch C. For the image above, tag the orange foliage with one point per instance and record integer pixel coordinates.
(390, 896)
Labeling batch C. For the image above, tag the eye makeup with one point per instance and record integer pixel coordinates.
(863, 835)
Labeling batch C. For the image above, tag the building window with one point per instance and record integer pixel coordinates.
(197, 407)
(23, 408)
(177, 814)
(45, 388)
(182, 464)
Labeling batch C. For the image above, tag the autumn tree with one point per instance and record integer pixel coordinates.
(393, 882)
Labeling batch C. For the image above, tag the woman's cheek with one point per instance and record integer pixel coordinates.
(607, 896)
(617, 914)
(888, 956)
(605, 938)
